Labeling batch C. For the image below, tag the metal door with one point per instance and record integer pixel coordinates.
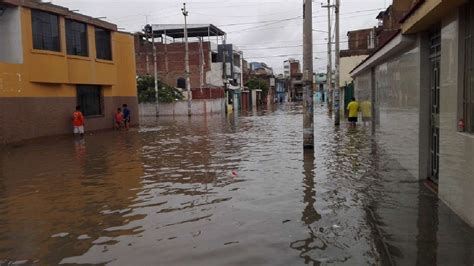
(435, 41)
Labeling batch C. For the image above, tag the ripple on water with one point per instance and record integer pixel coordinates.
(201, 191)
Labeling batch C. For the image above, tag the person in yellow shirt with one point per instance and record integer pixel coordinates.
(353, 109)
(366, 110)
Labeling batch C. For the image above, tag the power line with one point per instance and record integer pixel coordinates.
(316, 16)
(283, 55)
(258, 28)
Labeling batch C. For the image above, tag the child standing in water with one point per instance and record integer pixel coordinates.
(126, 116)
(78, 121)
(118, 119)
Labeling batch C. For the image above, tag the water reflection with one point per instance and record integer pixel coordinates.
(51, 198)
(427, 225)
(220, 190)
(310, 214)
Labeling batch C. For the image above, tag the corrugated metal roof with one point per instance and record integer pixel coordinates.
(194, 30)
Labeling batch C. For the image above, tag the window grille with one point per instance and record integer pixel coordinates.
(89, 97)
(103, 44)
(76, 38)
(45, 28)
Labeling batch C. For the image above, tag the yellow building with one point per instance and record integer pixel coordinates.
(52, 59)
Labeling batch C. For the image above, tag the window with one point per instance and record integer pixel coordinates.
(103, 44)
(45, 31)
(468, 95)
(76, 38)
(214, 57)
(236, 60)
(181, 83)
(89, 97)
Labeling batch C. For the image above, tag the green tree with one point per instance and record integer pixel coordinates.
(146, 91)
(258, 84)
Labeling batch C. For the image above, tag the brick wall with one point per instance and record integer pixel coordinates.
(207, 93)
(358, 39)
(176, 62)
(294, 69)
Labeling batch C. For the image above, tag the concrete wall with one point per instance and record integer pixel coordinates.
(198, 107)
(214, 76)
(398, 106)
(396, 100)
(11, 48)
(402, 99)
(456, 149)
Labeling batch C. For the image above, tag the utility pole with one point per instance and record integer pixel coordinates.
(329, 67)
(308, 112)
(186, 57)
(155, 70)
(224, 72)
(337, 91)
(149, 33)
(147, 49)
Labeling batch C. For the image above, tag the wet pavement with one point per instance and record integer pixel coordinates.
(221, 191)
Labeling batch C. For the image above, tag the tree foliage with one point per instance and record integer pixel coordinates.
(146, 91)
(258, 84)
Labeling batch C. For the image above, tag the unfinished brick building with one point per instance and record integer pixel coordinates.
(205, 70)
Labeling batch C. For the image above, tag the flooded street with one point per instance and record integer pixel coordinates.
(221, 191)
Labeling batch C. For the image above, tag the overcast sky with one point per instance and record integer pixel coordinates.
(266, 30)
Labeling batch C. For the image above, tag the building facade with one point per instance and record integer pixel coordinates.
(423, 98)
(52, 59)
(291, 67)
(206, 62)
(234, 63)
(361, 44)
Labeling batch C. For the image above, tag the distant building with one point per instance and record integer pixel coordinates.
(52, 59)
(291, 67)
(260, 68)
(245, 72)
(205, 65)
(389, 20)
(292, 73)
(234, 63)
(281, 89)
(361, 43)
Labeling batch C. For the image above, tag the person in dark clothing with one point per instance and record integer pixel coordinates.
(126, 116)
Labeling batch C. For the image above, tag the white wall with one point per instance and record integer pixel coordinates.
(347, 65)
(11, 49)
(214, 77)
(198, 107)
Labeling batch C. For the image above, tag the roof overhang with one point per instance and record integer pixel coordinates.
(398, 44)
(194, 30)
(425, 13)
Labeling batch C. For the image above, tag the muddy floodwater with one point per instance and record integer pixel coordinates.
(219, 190)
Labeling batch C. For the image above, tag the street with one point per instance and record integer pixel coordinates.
(216, 190)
